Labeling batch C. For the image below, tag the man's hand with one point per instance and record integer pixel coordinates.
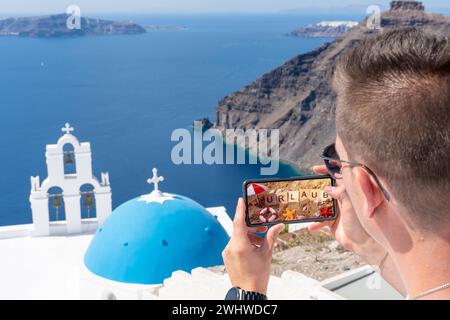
(346, 228)
(248, 257)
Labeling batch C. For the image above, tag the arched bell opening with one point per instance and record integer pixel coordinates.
(56, 207)
(87, 202)
(69, 159)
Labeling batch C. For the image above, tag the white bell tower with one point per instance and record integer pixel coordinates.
(70, 185)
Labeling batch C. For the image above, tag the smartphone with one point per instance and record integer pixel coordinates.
(292, 200)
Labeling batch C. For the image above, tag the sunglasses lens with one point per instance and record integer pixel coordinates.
(331, 152)
(333, 166)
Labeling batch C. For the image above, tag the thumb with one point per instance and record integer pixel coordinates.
(272, 235)
(318, 226)
(239, 225)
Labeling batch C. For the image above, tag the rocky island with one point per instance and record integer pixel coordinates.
(54, 26)
(154, 27)
(324, 29)
(297, 97)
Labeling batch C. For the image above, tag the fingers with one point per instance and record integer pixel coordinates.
(260, 229)
(320, 169)
(336, 192)
(338, 176)
(239, 223)
(272, 235)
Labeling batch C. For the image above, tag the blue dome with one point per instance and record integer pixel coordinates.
(143, 241)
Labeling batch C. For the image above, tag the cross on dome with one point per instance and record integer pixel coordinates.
(156, 195)
(67, 128)
(155, 179)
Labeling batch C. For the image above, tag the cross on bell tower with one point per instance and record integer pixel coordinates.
(67, 128)
(155, 180)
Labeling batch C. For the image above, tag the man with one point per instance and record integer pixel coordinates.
(391, 160)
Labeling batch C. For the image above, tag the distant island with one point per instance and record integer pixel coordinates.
(55, 26)
(329, 29)
(155, 27)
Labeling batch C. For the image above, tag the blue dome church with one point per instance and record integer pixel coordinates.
(147, 238)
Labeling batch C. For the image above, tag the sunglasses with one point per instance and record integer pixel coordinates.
(335, 165)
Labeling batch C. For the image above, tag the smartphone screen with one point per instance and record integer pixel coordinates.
(293, 200)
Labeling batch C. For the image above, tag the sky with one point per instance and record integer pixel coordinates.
(188, 6)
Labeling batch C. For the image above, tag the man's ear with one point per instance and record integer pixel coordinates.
(372, 195)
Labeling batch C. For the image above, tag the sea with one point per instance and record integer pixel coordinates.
(127, 94)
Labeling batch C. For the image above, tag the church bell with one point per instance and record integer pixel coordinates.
(69, 159)
(88, 200)
(56, 201)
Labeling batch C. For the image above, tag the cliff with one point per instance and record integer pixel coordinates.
(297, 97)
(53, 26)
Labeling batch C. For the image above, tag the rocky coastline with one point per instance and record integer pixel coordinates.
(297, 97)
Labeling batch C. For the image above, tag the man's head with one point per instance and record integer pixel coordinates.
(393, 115)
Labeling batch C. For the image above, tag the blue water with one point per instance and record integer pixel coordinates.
(126, 94)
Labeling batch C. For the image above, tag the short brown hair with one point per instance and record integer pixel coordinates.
(393, 114)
